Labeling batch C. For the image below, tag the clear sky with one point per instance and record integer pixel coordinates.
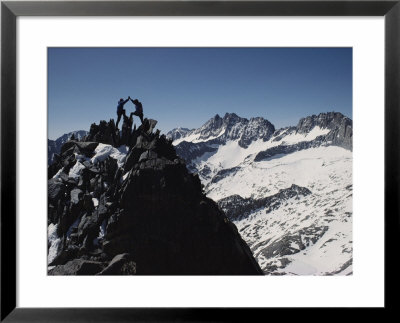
(184, 87)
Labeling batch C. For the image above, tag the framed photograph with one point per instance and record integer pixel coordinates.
(197, 152)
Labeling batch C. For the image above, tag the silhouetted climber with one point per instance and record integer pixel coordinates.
(139, 109)
(120, 108)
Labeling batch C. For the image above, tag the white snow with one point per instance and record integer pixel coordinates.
(120, 154)
(58, 173)
(76, 170)
(102, 232)
(196, 138)
(308, 168)
(102, 229)
(325, 171)
(124, 177)
(102, 152)
(231, 154)
(95, 201)
(301, 268)
(54, 241)
(188, 138)
(296, 138)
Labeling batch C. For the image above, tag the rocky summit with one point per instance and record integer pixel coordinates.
(123, 203)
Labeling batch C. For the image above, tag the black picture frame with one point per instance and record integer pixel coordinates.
(10, 10)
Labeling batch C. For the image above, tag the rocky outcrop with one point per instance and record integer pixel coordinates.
(340, 134)
(341, 128)
(278, 151)
(54, 146)
(120, 265)
(144, 214)
(237, 207)
(80, 267)
(328, 120)
(290, 244)
(189, 151)
(224, 173)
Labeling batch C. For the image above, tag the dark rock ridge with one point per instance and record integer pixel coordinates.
(217, 131)
(148, 216)
(329, 120)
(54, 146)
(237, 207)
(277, 151)
(224, 173)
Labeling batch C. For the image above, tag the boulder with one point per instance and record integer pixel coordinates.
(88, 227)
(122, 264)
(152, 124)
(76, 195)
(88, 203)
(86, 147)
(56, 189)
(149, 154)
(78, 267)
(66, 254)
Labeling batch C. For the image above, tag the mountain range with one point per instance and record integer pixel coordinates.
(288, 190)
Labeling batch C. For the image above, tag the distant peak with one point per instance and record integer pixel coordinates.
(257, 119)
(331, 113)
(230, 115)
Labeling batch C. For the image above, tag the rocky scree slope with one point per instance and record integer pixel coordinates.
(124, 203)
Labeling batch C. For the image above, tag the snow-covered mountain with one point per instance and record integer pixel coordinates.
(54, 146)
(177, 133)
(289, 191)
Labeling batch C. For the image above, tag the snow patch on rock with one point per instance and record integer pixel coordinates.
(103, 151)
(53, 241)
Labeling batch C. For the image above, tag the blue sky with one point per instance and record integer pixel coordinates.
(187, 86)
